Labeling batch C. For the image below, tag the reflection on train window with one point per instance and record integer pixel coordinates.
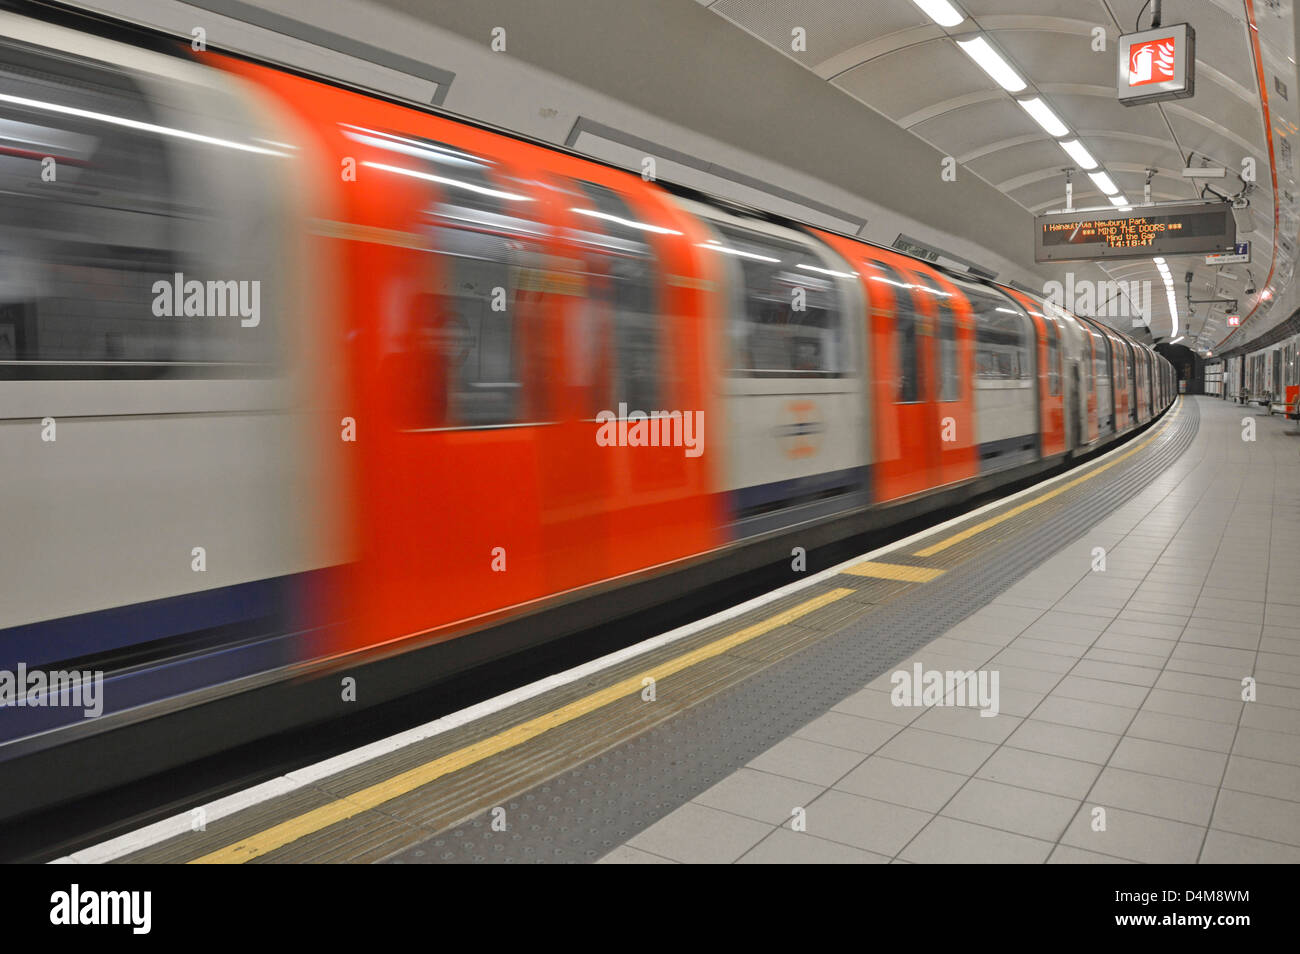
(1001, 340)
(791, 320)
(625, 284)
(905, 318)
(1100, 360)
(461, 342)
(1053, 356)
(949, 369)
(95, 220)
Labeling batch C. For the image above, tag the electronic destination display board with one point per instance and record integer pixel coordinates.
(1141, 232)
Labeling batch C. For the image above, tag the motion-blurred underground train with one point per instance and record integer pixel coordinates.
(298, 384)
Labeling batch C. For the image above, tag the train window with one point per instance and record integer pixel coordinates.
(629, 290)
(123, 256)
(1053, 357)
(791, 321)
(1101, 359)
(460, 351)
(909, 371)
(949, 369)
(1001, 337)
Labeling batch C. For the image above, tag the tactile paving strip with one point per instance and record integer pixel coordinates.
(583, 813)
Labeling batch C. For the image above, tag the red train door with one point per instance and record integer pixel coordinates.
(908, 422)
(1051, 396)
(958, 457)
(1090, 380)
(1119, 375)
(907, 417)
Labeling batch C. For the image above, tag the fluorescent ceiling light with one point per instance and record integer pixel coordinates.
(717, 247)
(941, 12)
(1158, 260)
(821, 271)
(135, 124)
(1121, 202)
(1044, 116)
(1079, 154)
(645, 227)
(1104, 182)
(991, 62)
(1178, 339)
(444, 180)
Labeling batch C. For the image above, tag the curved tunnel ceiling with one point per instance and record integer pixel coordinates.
(890, 56)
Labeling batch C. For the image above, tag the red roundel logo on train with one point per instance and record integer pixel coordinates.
(801, 430)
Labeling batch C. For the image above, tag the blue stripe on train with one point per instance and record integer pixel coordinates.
(85, 634)
(127, 690)
(262, 634)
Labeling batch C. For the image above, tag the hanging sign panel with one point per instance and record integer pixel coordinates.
(1239, 254)
(1157, 64)
(1142, 232)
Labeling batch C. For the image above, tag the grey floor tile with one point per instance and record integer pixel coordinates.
(698, 834)
(903, 783)
(1018, 702)
(1118, 657)
(937, 750)
(759, 795)
(848, 731)
(1192, 706)
(1129, 627)
(1217, 686)
(865, 823)
(1041, 772)
(1060, 647)
(1028, 680)
(1135, 836)
(1228, 848)
(785, 847)
(806, 760)
(1100, 690)
(1027, 659)
(1240, 660)
(626, 855)
(1067, 855)
(1084, 714)
(1143, 645)
(1267, 745)
(1019, 810)
(1258, 816)
(953, 841)
(1180, 800)
(1263, 778)
(1116, 672)
(1258, 715)
(870, 704)
(1180, 730)
(1068, 741)
(968, 723)
(1279, 662)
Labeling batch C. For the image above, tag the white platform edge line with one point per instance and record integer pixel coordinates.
(222, 807)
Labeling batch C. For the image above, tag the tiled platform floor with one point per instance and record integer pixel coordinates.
(1120, 691)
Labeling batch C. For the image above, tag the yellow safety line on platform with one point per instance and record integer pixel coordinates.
(343, 808)
(894, 571)
(1056, 492)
